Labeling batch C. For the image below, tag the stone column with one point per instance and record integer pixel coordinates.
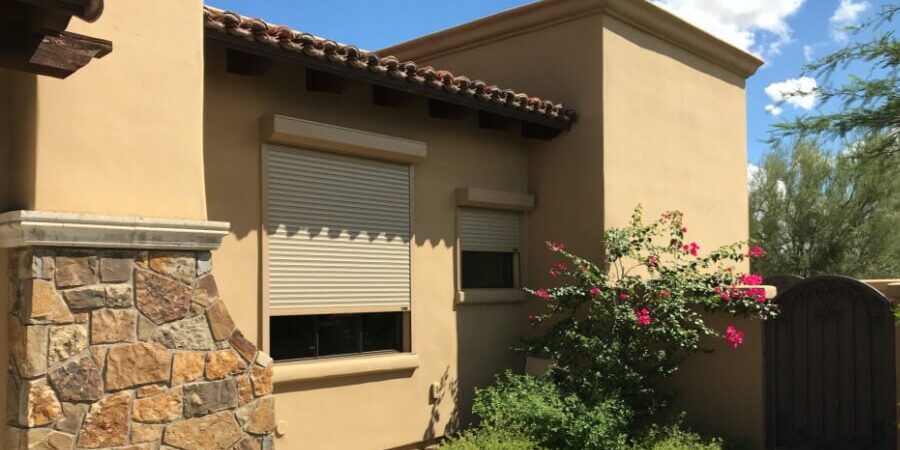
(119, 339)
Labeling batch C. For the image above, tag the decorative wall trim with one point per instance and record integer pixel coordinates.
(343, 367)
(490, 296)
(306, 133)
(530, 18)
(58, 229)
(489, 198)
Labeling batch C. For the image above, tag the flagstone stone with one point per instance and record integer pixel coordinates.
(136, 364)
(78, 380)
(106, 424)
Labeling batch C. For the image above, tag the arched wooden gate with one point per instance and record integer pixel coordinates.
(830, 366)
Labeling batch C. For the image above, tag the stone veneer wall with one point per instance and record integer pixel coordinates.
(129, 350)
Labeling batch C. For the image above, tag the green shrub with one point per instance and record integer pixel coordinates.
(534, 407)
(489, 439)
(677, 438)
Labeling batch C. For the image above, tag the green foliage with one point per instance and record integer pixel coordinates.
(488, 439)
(869, 103)
(535, 407)
(675, 437)
(820, 213)
(617, 329)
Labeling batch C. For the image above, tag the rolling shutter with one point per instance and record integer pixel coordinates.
(489, 230)
(338, 232)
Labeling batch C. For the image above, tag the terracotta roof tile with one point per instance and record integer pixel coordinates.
(263, 33)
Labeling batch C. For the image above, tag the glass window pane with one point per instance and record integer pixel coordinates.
(338, 334)
(292, 337)
(381, 331)
(487, 270)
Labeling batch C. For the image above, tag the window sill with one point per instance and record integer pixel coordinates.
(288, 372)
(490, 296)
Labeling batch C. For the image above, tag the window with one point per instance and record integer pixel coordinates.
(338, 253)
(488, 270)
(312, 336)
(489, 248)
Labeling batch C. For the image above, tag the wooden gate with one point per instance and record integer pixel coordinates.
(830, 366)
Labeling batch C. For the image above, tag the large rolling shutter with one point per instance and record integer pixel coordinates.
(338, 232)
(489, 230)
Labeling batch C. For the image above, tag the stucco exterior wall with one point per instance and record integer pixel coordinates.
(4, 201)
(106, 146)
(5, 109)
(458, 347)
(567, 174)
(674, 138)
(660, 126)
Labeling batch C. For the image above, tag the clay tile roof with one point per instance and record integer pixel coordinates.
(444, 82)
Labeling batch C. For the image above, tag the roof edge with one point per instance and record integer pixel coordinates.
(546, 13)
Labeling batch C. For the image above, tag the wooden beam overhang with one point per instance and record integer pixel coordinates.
(33, 37)
(538, 126)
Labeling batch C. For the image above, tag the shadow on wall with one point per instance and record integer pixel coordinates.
(446, 390)
(18, 132)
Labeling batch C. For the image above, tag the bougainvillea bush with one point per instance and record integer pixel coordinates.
(614, 329)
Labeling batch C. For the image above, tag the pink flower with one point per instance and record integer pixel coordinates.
(643, 316)
(723, 293)
(595, 291)
(531, 318)
(756, 252)
(734, 336)
(652, 262)
(542, 293)
(691, 248)
(623, 296)
(751, 279)
(557, 246)
(684, 229)
(664, 294)
(759, 294)
(557, 268)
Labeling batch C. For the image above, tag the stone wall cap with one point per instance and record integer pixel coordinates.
(61, 229)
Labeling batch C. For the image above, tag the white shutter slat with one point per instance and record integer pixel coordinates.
(487, 228)
(338, 231)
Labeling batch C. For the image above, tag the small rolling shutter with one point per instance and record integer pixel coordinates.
(338, 232)
(489, 230)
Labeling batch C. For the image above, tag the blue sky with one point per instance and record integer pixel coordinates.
(785, 33)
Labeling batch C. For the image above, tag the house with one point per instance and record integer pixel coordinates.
(186, 184)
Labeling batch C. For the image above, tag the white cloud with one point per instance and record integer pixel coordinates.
(773, 109)
(847, 13)
(797, 92)
(808, 53)
(757, 26)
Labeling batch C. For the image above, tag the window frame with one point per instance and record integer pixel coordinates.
(404, 322)
(285, 132)
(513, 202)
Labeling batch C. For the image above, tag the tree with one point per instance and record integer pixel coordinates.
(817, 212)
(869, 105)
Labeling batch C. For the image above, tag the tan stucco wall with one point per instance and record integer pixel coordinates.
(5, 109)
(659, 126)
(123, 135)
(566, 174)
(459, 347)
(674, 137)
(4, 199)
